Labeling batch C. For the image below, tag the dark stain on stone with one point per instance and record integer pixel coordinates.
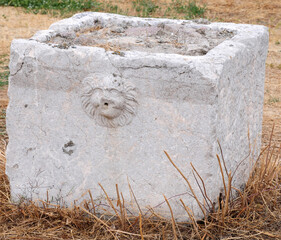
(121, 54)
(69, 144)
(67, 148)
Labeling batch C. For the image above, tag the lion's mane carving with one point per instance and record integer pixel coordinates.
(110, 101)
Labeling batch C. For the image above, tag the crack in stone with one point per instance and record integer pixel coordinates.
(22, 63)
(106, 53)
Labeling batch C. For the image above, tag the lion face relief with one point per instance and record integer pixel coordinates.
(110, 101)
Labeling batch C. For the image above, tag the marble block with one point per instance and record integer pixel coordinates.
(98, 98)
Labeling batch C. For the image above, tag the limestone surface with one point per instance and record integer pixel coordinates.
(98, 98)
(161, 38)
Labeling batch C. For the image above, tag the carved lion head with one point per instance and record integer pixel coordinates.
(109, 100)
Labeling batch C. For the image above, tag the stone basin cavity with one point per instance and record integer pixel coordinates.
(184, 38)
(98, 98)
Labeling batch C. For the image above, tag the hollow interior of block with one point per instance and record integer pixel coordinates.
(184, 39)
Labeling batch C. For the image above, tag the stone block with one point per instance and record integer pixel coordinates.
(98, 97)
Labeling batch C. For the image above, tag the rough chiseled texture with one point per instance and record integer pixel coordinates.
(83, 115)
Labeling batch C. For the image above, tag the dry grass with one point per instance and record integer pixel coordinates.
(15, 23)
(254, 214)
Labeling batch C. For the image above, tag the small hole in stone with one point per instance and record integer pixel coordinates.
(25, 105)
(69, 144)
(67, 148)
(106, 104)
(16, 166)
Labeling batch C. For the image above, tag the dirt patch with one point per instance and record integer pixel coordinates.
(16, 23)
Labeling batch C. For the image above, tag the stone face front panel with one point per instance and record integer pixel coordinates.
(88, 112)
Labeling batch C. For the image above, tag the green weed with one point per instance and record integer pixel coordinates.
(62, 7)
(2, 122)
(3, 114)
(4, 78)
(3, 55)
(273, 100)
(271, 65)
(112, 8)
(145, 8)
(190, 10)
(4, 59)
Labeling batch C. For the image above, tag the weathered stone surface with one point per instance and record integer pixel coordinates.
(82, 115)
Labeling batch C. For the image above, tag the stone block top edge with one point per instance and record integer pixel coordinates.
(85, 22)
(20, 48)
(243, 37)
(24, 52)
